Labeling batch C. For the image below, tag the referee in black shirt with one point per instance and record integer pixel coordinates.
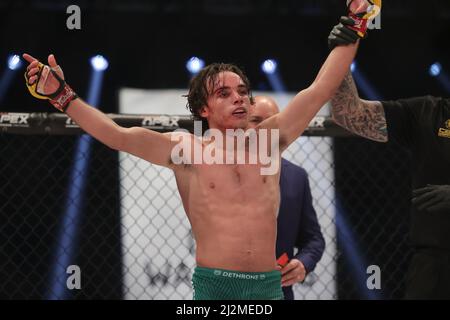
(423, 126)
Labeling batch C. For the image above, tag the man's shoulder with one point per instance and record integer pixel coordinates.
(416, 103)
(292, 168)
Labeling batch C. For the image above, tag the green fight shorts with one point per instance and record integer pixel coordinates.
(219, 284)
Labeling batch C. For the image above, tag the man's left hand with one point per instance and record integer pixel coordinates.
(292, 273)
(432, 198)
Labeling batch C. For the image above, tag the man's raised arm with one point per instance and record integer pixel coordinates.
(293, 120)
(47, 82)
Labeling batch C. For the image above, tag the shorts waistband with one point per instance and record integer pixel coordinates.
(222, 273)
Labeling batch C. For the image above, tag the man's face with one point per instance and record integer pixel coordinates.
(260, 111)
(228, 102)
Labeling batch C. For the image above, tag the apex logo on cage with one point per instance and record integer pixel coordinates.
(7, 118)
(165, 121)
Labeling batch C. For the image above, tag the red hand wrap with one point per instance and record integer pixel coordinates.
(62, 100)
(361, 24)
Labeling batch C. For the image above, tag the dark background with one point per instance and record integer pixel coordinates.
(147, 44)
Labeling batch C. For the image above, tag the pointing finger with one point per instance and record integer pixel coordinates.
(28, 57)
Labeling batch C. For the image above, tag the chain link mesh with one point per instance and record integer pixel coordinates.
(132, 239)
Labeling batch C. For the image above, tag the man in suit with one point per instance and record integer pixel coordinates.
(297, 225)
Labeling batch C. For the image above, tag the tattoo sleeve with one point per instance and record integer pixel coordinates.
(364, 118)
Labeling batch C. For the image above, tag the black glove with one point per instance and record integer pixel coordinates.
(432, 198)
(341, 35)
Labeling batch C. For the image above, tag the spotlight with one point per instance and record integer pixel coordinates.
(269, 66)
(194, 65)
(353, 66)
(435, 69)
(14, 62)
(99, 63)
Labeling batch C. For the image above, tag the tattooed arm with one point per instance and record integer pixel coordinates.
(362, 117)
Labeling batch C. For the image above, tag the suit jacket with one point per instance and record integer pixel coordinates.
(297, 220)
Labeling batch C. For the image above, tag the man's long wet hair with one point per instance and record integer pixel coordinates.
(198, 88)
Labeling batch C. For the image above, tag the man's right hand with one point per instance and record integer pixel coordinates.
(47, 82)
(353, 27)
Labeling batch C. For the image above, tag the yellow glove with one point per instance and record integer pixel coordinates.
(361, 12)
(47, 83)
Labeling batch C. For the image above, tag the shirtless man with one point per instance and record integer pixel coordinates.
(231, 207)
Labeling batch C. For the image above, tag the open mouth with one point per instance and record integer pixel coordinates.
(240, 112)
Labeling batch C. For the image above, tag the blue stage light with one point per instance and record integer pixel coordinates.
(99, 63)
(14, 62)
(269, 66)
(353, 66)
(194, 65)
(435, 69)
